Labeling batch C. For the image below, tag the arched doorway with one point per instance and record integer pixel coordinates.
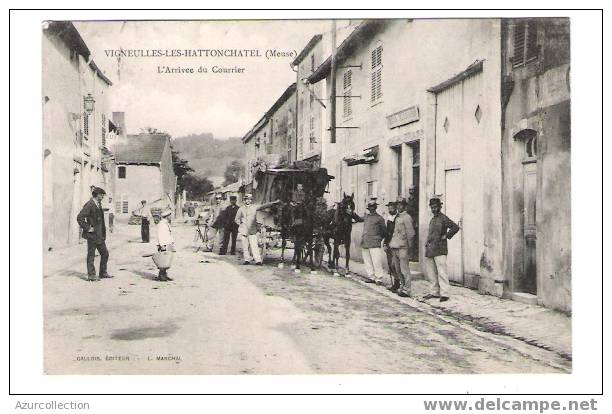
(526, 281)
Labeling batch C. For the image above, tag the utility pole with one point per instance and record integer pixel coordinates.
(332, 96)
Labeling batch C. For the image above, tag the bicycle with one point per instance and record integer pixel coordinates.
(200, 237)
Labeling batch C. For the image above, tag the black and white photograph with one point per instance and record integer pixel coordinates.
(401, 204)
(360, 196)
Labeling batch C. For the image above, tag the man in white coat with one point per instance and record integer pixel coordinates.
(247, 229)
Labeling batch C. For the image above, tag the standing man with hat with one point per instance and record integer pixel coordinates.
(400, 244)
(247, 227)
(145, 219)
(91, 222)
(215, 223)
(230, 228)
(441, 229)
(374, 232)
(390, 221)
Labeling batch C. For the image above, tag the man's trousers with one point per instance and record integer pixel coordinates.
(373, 260)
(250, 248)
(144, 230)
(436, 271)
(226, 239)
(91, 252)
(401, 261)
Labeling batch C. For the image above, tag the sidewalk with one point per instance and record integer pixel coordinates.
(534, 325)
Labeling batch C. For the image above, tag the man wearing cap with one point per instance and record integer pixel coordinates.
(247, 228)
(91, 222)
(230, 228)
(215, 222)
(441, 229)
(374, 232)
(145, 219)
(400, 244)
(390, 221)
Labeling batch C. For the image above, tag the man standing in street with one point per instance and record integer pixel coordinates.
(374, 232)
(145, 219)
(441, 229)
(215, 223)
(91, 222)
(392, 207)
(401, 244)
(412, 208)
(247, 227)
(230, 228)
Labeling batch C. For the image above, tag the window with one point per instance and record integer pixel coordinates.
(121, 172)
(125, 208)
(525, 42)
(311, 134)
(312, 63)
(118, 207)
(311, 101)
(346, 86)
(371, 189)
(376, 77)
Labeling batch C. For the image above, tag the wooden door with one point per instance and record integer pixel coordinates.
(453, 209)
(529, 280)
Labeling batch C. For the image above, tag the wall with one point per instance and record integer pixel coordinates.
(417, 55)
(538, 99)
(282, 127)
(142, 182)
(308, 147)
(71, 164)
(167, 172)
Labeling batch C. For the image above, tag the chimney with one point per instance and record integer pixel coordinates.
(119, 121)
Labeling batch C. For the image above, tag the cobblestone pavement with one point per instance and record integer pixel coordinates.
(220, 317)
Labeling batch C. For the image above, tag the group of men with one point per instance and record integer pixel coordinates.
(227, 223)
(397, 237)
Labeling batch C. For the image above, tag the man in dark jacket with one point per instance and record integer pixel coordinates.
(441, 228)
(230, 228)
(392, 207)
(91, 221)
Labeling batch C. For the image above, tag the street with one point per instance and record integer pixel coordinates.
(220, 317)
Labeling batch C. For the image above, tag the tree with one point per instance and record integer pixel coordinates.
(197, 187)
(233, 172)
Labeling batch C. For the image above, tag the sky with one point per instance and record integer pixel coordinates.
(226, 105)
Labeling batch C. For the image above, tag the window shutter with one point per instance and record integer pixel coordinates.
(532, 42)
(519, 44)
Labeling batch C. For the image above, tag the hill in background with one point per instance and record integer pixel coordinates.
(209, 156)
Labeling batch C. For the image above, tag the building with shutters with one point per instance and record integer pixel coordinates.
(458, 108)
(144, 171)
(536, 143)
(271, 138)
(76, 127)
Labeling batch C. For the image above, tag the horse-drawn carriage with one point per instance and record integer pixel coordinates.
(302, 215)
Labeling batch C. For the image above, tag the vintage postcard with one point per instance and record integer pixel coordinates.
(348, 196)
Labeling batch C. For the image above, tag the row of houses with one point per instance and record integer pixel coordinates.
(85, 144)
(476, 111)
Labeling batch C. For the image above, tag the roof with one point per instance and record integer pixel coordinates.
(474, 68)
(311, 44)
(141, 149)
(281, 100)
(356, 39)
(71, 36)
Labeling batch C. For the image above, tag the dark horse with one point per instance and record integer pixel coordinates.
(343, 218)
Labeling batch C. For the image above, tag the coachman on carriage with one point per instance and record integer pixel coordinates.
(301, 216)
